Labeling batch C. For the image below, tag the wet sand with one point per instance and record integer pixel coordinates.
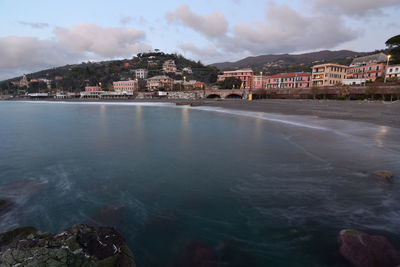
(380, 113)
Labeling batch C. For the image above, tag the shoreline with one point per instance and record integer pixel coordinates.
(375, 112)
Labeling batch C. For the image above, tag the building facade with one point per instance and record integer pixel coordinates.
(369, 67)
(141, 73)
(393, 72)
(169, 66)
(328, 74)
(259, 82)
(126, 86)
(289, 80)
(159, 82)
(370, 72)
(92, 89)
(246, 76)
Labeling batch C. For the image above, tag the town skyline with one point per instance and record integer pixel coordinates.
(210, 32)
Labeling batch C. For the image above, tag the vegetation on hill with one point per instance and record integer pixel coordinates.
(76, 77)
(394, 48)
(273, 64)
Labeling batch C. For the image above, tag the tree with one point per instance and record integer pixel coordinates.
(394, 48)
(231, 83)
(37, 87)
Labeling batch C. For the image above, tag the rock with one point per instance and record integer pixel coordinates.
(80, 245)
(385, 175)
(364, 250)
(5, 206)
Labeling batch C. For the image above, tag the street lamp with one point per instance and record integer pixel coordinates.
(387, 66)
(261, 80)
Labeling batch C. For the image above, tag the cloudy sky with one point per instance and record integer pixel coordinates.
(38, 34)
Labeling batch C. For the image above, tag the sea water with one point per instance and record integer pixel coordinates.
(250, 189)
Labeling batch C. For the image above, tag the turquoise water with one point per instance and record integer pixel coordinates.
(252, 189)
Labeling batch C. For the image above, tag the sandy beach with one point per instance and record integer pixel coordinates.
(381, 113)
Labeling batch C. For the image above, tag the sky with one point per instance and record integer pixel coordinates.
(40, 34)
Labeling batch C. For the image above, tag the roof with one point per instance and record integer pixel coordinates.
(330, 64)
(244, 70)
(159, 77)
(292, 74)
(376, 58)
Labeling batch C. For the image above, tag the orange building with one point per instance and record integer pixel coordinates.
(246, 76)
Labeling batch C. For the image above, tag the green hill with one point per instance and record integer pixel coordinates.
(76, 77)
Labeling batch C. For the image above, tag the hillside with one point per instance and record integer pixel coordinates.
(271, 64)
(76, 77)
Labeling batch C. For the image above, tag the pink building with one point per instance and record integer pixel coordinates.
(246, 76)
(259, 82)
(370, 72)
(369, 67)
(289, 80)
(126, 86)
(92, 89)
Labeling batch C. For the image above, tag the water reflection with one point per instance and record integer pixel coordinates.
(185, 125)
(380, 136)
(139, 127)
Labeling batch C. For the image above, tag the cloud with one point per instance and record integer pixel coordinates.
(82, 42)
(211, 25)
(35, 25)
(284, 30)
(354, 7)
(126, 20)
(104, 42)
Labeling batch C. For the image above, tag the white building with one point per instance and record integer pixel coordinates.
(141, 73)
(360, 82)
(187, 70)
(393, 72)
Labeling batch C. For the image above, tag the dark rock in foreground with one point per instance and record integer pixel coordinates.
(364, 250)
(80, 245)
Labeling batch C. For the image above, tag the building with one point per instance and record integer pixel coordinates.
(246, 76)
(92, 89)
(328, 74)
(376, 58)
(192, 84)
(352, 82)
(24, 81)
(368, 67)
(159, 82)
(169, 66)
(126, 86)
(259, 82)
(393, 72)
(289, 80)
(187, 70)
(141, 73)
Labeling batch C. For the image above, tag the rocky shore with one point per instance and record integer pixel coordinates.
(80, 245)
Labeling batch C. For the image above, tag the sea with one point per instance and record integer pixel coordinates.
(239, 188)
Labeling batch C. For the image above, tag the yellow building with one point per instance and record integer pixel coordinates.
(328, 74)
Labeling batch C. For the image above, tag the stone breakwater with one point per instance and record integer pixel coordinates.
(80, 245)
